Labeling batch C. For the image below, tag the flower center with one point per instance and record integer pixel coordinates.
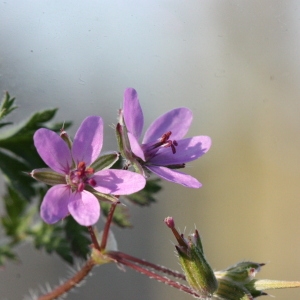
(163, 142)
(81, 176)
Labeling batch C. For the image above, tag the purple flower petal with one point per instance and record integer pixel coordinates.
(135, 146)
(84, 208)
(133, 114)
(177, 121)
(118, 182)
(88, 140)
(55, 204)
(175, 176)
(187, 150)
(53, 150)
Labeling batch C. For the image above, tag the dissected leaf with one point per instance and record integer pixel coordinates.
(52, 239)
(6, 107)
(7, 253)
(18, 218)
(77, 237)
(14, 172)
(19, 140)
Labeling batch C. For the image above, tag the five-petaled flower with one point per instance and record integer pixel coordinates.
(163, 149)
(71, 165)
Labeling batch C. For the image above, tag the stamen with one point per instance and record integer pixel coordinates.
(81, 176)
(81, 165)
(80, 187)
(173, 149)
(92, 182)
(165, 142)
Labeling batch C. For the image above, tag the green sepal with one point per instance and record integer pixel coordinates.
(105, 161)
(229, 290)
(101, 197)
(125, 149)
(242, 272)
(256, 286)
(48, 176)
(197, 270)
(63, 134)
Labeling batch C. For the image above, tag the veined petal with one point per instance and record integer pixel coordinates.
(88, 140)
(177, 121)
(84, 208)
(53, 150)
(175, 176)
(118, 182)
(55, 204)
(135, 146)
(133, 114)
(187, 150)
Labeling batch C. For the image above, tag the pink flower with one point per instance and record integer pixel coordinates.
(163, 148)
(72, 194)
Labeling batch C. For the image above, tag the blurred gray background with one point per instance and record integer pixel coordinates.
(234, 63)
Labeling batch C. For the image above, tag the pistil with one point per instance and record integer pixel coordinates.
(81, 176)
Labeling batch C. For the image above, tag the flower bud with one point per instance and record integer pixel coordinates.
(198, 272)
(242, 272)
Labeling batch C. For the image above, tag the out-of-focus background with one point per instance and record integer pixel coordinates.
(234, 63)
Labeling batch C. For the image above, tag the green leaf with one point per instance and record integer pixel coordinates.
(19, 139)
(6, 253)
(52, 239)
(14, 172)
(18, 218)
(146, 196)
(77, 237)
(6, 107)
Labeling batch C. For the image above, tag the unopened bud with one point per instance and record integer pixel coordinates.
(197, 270)
(169, 222)
(243, 271)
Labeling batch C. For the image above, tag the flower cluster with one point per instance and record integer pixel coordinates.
(80, 178)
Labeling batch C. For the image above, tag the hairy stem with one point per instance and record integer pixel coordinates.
(117, 255)
(160, 278)
(70, 283)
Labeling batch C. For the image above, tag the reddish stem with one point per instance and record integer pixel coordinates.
(107, 226)
(71, 283)
(160, 278)
(93, 237)
(120, 255)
